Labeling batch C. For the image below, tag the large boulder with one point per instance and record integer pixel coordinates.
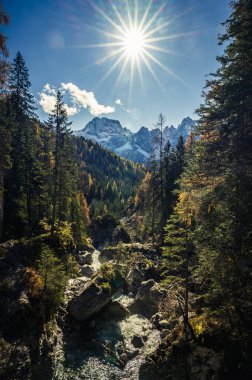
(121, 235)
(87, 271)
(149, 297)
(85, 258)
(90, 299)
(134, 279)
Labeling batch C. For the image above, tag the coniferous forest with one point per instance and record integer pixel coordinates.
(112, 269)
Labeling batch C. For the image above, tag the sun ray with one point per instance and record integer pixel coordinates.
(161, 50)
(132, 69)
(129, 15)
(157, 29)
(150, 22)
(136, 14)
(111, 69)
(118, 15)
(152, 72)
(171, 36)
(120, 74)
(145, 14)
(105, 44)
(106, 17)
(109, 56)
(165, 68)
(140, 72)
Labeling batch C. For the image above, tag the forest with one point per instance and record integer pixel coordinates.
(111, 269)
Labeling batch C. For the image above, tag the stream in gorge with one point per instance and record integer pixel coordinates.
(112, 344)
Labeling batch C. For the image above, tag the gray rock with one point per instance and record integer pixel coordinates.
(87, 271)
(90, 299)
(151, 294)
(134, 280)
(124, 358)
(144, 290)
(85, 258)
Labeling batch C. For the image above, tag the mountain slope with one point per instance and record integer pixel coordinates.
(133, 146)
(108, 181)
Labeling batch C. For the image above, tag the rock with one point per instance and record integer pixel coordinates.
(85, 258)
(132, 354)
(155, 319)
(164, 333)
(87, 271)
(204, 362)
(134, 279)
(108, 254)
(137, 341)
(143, 293)
(116, 310)
(87, 247)
(150, 295)
(124, 358)
(15, 362)
(121, 235)
(164, 323)
(90, 299)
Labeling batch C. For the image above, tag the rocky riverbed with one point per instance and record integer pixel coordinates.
(110, 343)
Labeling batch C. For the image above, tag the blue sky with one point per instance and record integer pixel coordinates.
(55, 37)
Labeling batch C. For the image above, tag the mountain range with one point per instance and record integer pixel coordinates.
(133, 146)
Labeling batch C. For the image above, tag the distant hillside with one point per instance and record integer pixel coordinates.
(108, 181)
(134, 146)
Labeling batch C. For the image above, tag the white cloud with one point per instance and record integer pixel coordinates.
(118, 102)
(71, 110)
(48, 100)
(86, 100)
(80, 98)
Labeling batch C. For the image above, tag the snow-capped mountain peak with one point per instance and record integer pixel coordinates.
(134, 146)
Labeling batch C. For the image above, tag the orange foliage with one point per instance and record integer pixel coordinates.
(35, 282)
(84, 208)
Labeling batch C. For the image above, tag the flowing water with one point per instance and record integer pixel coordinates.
(94, 351)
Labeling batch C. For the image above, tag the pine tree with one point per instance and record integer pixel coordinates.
(178, 254)
(5, 137)
(19, 181)
(59, 124)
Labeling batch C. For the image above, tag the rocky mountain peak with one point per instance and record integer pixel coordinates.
(134, 146)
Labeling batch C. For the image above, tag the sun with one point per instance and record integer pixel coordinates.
(133, 39)
(134, 42)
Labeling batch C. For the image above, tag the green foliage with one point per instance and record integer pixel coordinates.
(53, 275)
(157, 194)
(112, 279)
(108, 181)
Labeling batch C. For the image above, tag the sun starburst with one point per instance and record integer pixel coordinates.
(135, 40)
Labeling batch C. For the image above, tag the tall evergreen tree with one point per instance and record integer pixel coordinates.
(5, 138)
(19, 181)
(218, 174)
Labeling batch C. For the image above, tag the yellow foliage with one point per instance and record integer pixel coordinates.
(35, 282)
(185, 208)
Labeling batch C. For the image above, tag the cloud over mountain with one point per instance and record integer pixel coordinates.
(80, 99)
